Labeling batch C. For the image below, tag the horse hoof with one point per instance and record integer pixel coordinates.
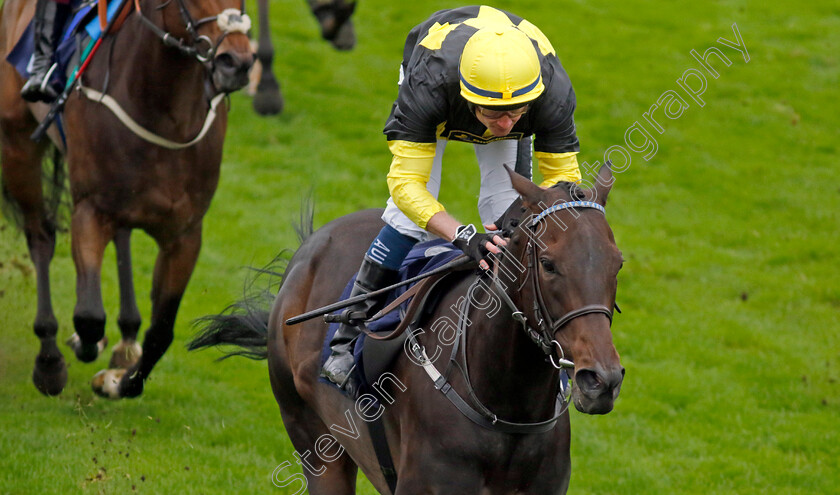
(86, 353)
(50, 374)
(126, 354)
(268, 100)
(106, 383)
(345, 38)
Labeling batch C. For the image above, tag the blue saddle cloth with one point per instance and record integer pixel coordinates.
(79, 27)
(422, 258)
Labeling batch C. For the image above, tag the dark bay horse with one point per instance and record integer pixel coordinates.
(562, 264)
(119, 181)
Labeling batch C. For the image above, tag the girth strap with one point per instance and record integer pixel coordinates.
(383, 452)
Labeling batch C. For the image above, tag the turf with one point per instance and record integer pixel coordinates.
(730, 291)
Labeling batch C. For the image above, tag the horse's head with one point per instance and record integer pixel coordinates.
(572, 262)
(215, 32)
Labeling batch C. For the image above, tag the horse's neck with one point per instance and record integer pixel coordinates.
(508, 371)
(152, 76)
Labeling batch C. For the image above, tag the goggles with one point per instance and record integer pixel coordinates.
(497, 114)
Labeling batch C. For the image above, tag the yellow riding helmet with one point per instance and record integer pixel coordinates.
(500, 67)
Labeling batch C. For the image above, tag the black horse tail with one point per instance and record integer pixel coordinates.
(55, 190)
(244, 324)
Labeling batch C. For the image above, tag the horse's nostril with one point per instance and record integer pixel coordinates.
(231, 64)
(588, 380)
(230, 70)
(593, 383)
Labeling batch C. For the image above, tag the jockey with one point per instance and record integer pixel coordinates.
(472, 74)
(50, 16)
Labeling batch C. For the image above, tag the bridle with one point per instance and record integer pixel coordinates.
(200, 47)
(547, 326)
(543, 336)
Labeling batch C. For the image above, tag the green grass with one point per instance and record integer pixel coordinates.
(730, 292)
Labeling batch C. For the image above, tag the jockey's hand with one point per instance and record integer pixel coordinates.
(477, 245)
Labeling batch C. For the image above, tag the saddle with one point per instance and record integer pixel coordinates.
(82, 26)
(384, 335)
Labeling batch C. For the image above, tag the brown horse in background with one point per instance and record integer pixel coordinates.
(119, 181)
(561, 267)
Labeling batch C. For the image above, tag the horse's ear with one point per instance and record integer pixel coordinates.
(603, 183)
(530, 192)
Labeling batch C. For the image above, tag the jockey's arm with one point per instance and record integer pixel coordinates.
(557, 167)
(410, 170)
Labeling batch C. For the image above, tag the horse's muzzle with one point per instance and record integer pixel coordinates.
(230, 71)
(595, 391)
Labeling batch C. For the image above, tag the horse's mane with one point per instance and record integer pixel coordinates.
(571, 189)
(304, 227)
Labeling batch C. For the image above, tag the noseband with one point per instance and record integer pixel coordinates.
(546, 326)
(200, 47)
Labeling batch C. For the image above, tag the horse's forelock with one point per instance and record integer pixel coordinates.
(519, 215)
(568, 191)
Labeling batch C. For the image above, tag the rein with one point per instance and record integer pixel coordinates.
(543, 336)
(482, 416)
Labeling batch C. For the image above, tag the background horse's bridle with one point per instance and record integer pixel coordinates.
(229, 21)
(200, 47)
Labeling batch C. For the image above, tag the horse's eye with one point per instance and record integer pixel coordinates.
(548, 266)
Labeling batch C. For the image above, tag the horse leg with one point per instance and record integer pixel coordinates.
(334, 19)
(21, 165)
(50, 373)
(90, 233)
(174, 265)
(127, 351)
(305, 428)
(267, 100)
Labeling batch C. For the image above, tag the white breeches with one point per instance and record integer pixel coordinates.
(495, 194)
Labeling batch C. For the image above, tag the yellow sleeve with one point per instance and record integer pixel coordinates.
(407, 178)
(556, 167)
